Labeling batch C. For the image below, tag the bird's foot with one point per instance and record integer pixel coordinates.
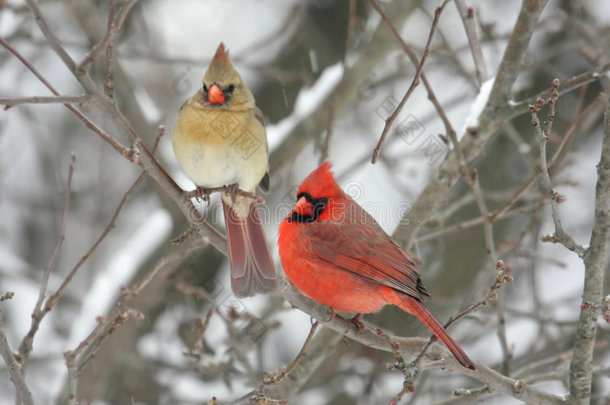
(356, 321)
(202, 194)
(232, 190)
(331, 314)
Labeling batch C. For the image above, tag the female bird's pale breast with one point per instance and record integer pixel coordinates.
(217, 147)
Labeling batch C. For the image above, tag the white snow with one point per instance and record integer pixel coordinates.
(472, 119)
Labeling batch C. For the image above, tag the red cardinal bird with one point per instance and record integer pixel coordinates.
(334, 252)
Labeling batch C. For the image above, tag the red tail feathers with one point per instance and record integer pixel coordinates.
(415, 307)
(252, 268)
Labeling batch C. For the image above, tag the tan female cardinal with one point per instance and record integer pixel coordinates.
(334, 252)
(220, 140)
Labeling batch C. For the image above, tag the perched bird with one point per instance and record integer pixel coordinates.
(220, 140)
(334, 252)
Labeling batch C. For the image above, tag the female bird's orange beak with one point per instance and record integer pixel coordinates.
(216, 95)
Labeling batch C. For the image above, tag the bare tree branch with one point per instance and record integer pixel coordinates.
(489, 122)
(15, 370)
(560, 234)
(467, 14)
(38, 312)
(11, 101)
(345, 92)
(596, 260)
(415, 82)
(515, 52)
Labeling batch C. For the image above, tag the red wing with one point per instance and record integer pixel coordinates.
(358, 244)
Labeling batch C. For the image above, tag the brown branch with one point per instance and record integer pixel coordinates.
(595, 260)
(346, 93)
(467, 15)
(42, 310)
(472, 179)
(477, 221)
(123, 150)
(515, 52)
(492, 294)
(38, 313)
(111, 226)
(273, 380)
(114, 26)
(560, 235)
(415, 82)
(492, 118)
(496, 382)
(139, 151)
(11, 101)
(109, 82)
(77, 358)
(15, 371)
(551, 162)
(50, 35)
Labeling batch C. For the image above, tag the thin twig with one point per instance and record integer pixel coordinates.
(415, 82)
(467, 15)
(495, 113)
(502, 277)
(272, 380)
(11, 101)
(551, 162)
(497, 382)
(114, 26)
(560, 235)
(50, 302)
(38, 312)
(472, 179)
(15, 371)
(477, 221)
(139, 152)
(109, 82)
(50, 35)
(123, 150)
(77, 358)
(111, 225)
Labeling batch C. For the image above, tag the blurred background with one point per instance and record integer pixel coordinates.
(326, 77)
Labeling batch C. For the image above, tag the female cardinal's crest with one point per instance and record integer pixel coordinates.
(221, 58)
(221, 70)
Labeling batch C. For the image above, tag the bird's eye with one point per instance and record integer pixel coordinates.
(230, 88)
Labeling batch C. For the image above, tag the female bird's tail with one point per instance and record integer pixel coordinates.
(252, 268)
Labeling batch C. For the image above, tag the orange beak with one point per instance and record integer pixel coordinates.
(303, 207)
(216, 95)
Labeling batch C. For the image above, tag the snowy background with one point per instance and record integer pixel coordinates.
(290, 54)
